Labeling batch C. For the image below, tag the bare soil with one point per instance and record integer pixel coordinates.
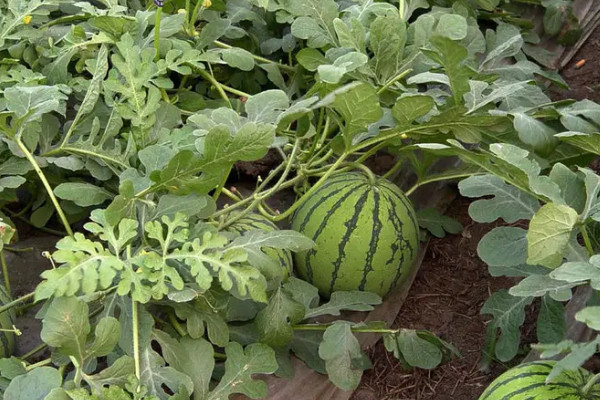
(584, 81)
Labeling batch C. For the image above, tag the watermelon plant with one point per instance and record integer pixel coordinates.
(122, 120)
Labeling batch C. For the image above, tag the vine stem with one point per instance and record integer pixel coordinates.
(590, 384)
(258, 58)
(194, 16)
(396, 78)
(438, 179)
(180, 329)
(16, 302)
(188, 17)
(41, 228)
(220, 188)
(33, 352)
(313, 189)
(46, 184)
(39, 364)
(18, 249)
(248, 200)
(395, 168)
(136, 343)
(258, 199)
(230, 194)
(216, 84)
(5, 271)
(586, 240)
(322, 327)
(157, 32)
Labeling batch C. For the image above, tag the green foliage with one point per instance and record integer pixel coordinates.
(128, 121)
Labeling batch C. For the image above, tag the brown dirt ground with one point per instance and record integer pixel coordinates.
(584, 82)
(452, 286)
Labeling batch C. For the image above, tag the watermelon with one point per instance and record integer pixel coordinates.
(282, 266)
(365, 231)
(528, 381)
(7, 320)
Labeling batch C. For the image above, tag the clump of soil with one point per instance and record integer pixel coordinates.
(446, 298)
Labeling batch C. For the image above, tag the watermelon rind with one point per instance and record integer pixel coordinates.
(282, 258)
(365, 231)
(528, 382)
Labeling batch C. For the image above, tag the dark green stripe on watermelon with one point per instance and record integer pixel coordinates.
(374, 240)
(350, 227)
(324, 223)
(365, 233)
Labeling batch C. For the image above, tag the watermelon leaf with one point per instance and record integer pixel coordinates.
(590, 316)
(549, 234)
(358, 104)
(353, 301)
(118, 373)
(387, 41)
(344, 358)
(551, 323)
(508, 314)
(241, 364)
(302, 292)
(194, 357)
(274, 322)
(203, 317)
(437, 224)
(503, 246)
(580, 272)
(578, 354)
(407, 345)
(540, 285)
(36, 384)
(508, 202)
(66, 327)
(156, 376)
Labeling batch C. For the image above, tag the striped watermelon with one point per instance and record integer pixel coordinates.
(7, 320)
(528, 381)
(283, 258)
(365, 231)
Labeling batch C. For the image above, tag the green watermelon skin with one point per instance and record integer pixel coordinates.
(283, 257)
(366, 235)
(528, 382)
(7, 320)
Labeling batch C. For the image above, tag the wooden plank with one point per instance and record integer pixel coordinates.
(588, 14)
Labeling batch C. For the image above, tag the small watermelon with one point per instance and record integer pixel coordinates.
(7, 320)
(528, 381)
(282, 258)
(365, 231)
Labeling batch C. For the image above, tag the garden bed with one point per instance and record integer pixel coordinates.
(209, 199)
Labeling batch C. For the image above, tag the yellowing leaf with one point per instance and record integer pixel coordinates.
(549, 233)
